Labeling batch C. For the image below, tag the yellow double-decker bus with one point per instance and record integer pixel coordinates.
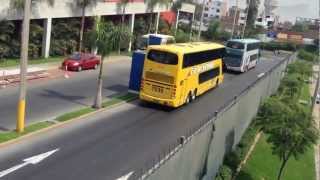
(176, 74)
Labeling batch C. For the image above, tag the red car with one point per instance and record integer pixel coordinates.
(80, 61)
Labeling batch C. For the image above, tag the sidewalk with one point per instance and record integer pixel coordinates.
(10, 75)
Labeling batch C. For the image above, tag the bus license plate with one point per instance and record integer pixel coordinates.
(157, 89)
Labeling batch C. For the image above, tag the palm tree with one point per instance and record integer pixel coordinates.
(104, 37)
(151, 4)
(122, 5)
(83, 4)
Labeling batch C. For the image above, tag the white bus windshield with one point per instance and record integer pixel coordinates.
(235, 45)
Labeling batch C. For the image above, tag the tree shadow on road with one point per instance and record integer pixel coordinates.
(71, 98)
(117, 88)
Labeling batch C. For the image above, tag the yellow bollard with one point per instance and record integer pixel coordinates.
(21, 116)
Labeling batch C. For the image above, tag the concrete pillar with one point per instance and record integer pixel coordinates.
(131, 23)
(177, 22)
(46, 37)
(157, 22)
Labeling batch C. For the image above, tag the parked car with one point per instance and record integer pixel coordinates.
(81, 61)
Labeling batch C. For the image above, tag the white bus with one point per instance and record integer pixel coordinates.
(241, 54)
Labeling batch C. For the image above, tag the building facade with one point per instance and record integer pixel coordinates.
(215, 9)
(42, 10)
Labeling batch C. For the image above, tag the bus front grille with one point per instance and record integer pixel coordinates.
(159, 77)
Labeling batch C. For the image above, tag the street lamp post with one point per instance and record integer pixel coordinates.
(23, 67)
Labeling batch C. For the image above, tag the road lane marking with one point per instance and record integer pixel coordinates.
(125, 177)
(31, 160)
(260, 75)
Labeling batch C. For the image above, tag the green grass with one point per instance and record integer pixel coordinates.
(262, 165)
(117, 99)
(305, 92)
(15, 62)
(74, 114)
(6, 136)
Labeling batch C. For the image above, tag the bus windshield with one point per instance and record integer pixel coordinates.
(235, 45)
(163, 57)
(233, 59)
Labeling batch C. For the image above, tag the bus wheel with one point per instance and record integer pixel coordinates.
(193, 97)
(188, 99)
(217, 83)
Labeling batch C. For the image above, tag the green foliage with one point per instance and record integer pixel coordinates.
(263, 165)
(233, 159)
(253, 31)
(6, 33)
(271, 46)
(181, 36)
(105, 37)
(64, 38)
(308, 56)
(7, 136)
(225, 173)
(214, 32)
(290, 127)
(35, 44)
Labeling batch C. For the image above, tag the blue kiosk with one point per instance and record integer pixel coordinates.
(138, 60)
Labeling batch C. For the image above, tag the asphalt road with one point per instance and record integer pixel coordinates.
(120, 140)
(50, 98)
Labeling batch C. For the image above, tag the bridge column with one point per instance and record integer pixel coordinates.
(131, 23)
(46, 37)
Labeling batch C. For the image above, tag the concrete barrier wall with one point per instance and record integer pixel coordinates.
(201, 154)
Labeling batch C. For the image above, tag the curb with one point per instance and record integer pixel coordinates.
(60, 124)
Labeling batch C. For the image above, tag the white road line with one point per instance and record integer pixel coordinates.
(31, 160)
(260, 75)
(125, 177)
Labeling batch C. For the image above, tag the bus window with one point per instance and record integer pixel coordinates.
(209, 75)
(235, 45)
(163, 57)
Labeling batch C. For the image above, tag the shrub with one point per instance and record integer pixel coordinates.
(181, 37)
(271, 46)
(225, 173)
(305, 55)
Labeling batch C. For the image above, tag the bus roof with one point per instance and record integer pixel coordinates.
(246, 41)
(188, 47)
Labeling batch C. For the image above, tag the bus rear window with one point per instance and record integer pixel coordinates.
(235, 45)
(163, 57)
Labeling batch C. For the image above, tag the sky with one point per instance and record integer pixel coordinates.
(288, 10)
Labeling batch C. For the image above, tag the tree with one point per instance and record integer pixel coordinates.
(6, 31)
(122, 5)
(83, 4)
(253, 6)
(65, 34)
(213, 30)
(151, 4)
(104, 37)
(290, 127)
